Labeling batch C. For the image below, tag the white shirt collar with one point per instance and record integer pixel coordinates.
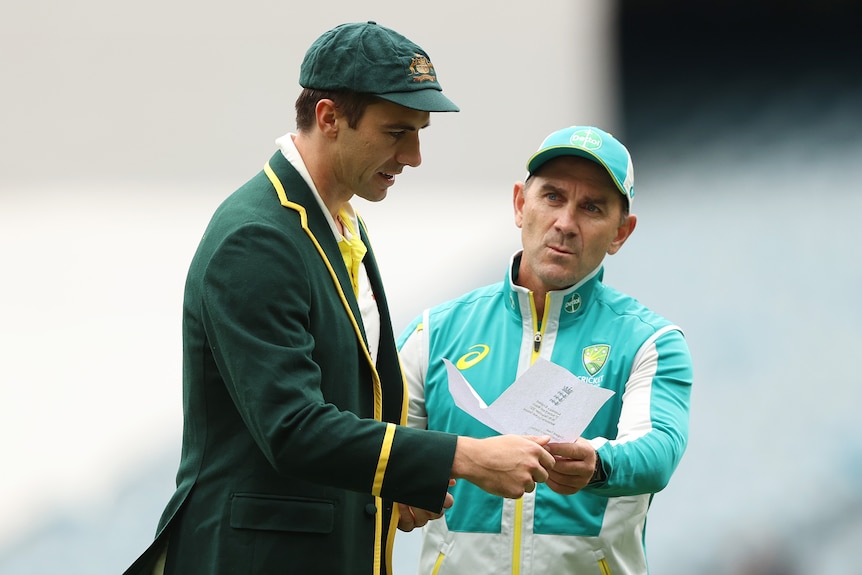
(288, 149)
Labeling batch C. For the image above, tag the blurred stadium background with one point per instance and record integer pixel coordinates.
(124, 125)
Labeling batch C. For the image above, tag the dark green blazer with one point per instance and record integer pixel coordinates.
(292, 449)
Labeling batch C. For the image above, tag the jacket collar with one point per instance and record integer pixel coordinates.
(294, 194)
(562, 306)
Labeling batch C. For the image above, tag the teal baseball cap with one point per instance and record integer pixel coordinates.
(594, 144)
(368, 58)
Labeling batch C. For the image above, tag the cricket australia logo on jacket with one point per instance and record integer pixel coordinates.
(601, 336)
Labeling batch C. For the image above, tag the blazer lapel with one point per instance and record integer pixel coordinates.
(294, 194)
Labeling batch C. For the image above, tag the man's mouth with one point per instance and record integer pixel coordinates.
(560, 249)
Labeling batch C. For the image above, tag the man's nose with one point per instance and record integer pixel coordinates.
(409, 153)
(566, 221)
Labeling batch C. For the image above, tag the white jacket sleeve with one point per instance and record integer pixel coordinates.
(414, 362)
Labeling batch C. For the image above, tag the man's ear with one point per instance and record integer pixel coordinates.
(326, 115)
(624, 230)
(518, 202)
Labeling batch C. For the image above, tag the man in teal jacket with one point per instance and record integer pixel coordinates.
(590, 516)
(294, 451)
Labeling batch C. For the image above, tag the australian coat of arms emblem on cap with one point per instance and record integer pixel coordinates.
(421, 69)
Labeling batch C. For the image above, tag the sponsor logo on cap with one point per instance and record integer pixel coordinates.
(586, 139)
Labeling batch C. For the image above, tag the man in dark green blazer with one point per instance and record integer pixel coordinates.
(295, 459)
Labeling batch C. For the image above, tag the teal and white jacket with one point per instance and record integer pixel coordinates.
(603, 337)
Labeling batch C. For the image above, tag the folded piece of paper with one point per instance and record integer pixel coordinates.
(546, 400)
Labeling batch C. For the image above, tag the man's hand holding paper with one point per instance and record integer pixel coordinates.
(574, 466)
(546, 400)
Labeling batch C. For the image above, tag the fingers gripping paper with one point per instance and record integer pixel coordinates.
(546, 400)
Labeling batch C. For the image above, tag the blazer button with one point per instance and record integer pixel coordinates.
(371, 509)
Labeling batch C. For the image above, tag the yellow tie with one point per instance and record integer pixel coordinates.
(352, 250)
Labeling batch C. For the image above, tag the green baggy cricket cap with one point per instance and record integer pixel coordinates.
(369, 58)
(593, 144)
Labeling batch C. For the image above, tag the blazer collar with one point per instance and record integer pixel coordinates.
(294, 194)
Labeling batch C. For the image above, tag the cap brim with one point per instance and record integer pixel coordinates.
(544, 156)
(540, 158)
(429, 100)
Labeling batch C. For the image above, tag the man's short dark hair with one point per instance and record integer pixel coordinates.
(351, 104)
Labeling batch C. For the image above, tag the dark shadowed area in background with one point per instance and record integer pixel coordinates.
(745, 121)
